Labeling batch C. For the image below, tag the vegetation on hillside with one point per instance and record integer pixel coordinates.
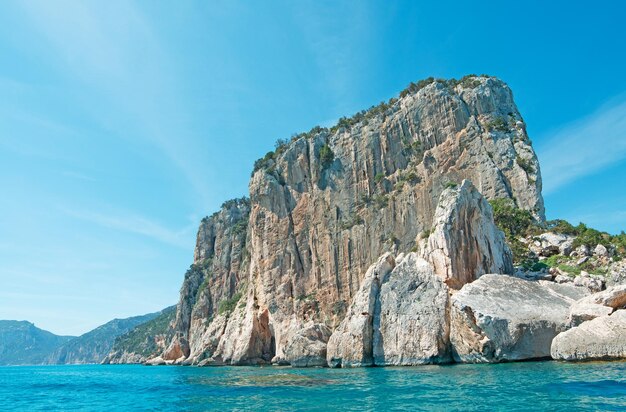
(142, 340)
(518, 224)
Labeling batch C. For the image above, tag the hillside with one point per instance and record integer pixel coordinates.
(144, 341)
(93, 346)
(22, 343)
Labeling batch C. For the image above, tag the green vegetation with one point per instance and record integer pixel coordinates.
(326, 156)
(352, 221)
(142, 339)
(379, 177)
(228, 305)
(339, 307)
(380, 201)
(498, 124)
(280, 146)
(469, 81)
(515, 223)
(266, 162)
(307, 298)
(526, 165)
(363, 117)
(241, 226)
(590, 237)
(413, 88)
(410, 177)
(450, 185)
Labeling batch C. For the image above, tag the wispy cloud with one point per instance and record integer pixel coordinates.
(90, 41)
(584, 147)
(140, 225)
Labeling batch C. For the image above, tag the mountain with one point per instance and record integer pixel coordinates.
(275, 275)
(94, 346)
(144, 341)
(22, 343)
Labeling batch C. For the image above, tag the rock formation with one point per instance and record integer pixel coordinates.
(465, 243)
(326, 205)
(599, 339)
(502, 318)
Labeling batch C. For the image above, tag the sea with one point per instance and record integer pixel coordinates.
(524, 386)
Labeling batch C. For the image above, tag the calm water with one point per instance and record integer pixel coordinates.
(514, 386)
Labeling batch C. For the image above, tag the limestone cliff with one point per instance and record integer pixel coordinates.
(288, 265)
(215, 277)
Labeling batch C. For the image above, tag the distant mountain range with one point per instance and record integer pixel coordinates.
(22, 343)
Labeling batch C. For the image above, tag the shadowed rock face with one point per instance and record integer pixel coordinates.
(315, 225)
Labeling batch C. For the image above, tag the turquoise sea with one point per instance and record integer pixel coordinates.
(515, 386)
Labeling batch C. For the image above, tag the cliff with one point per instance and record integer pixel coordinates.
(284, 267)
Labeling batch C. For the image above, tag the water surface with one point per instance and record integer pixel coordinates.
(514, 386)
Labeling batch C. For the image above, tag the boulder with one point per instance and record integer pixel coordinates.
(350, 344)
(581, 251)
(597, 305)
(307, 347)
(554, 243)
(600, 251)
(601, 338)
(411, 321)
(465, 242)
(501, 318)
(617, 273)
(594, 284)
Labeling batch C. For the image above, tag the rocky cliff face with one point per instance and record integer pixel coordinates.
(290, 266)
(218, 273)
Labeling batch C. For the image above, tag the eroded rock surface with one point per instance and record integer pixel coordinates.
(597, 305)
(601, 338)
(501, 318)
(465, 242)
(324, 206)
(411, 322)
(351, 344)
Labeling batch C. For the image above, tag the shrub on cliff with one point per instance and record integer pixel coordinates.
(326, 156)
(228, 305)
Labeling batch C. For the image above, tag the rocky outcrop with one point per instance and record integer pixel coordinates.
(352, 342)
(398, 317)
(326, 205)
(602, 338)
(597, 305)
(465, 243)
(308, 346)
(501, 318)
(411, 322)
(215, 277)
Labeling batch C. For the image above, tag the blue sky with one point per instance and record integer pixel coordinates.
(123, 123)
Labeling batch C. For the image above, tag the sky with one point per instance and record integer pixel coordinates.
(123, 123)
